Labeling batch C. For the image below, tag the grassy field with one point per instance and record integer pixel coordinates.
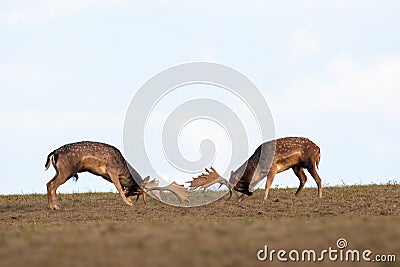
(98, 229)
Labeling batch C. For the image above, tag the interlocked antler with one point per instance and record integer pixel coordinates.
(211, 177)
(178, 190)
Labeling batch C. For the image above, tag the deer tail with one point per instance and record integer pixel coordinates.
(51, 158)
(318, 158)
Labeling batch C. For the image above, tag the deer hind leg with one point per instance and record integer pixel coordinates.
(313, 171)
(299, 171)
(270, 179)
(49, 186)
(52, 186)
(115, 179)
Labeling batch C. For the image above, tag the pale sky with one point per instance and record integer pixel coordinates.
(329, 71)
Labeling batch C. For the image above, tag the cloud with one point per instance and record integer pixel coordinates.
(345, 85)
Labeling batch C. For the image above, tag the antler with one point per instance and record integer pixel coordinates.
(211, 177)
(178, 190)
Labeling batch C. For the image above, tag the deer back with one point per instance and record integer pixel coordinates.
(96, 158)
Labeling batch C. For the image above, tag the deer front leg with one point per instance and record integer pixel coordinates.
(240, 198)
(270, 179)
(115, 179)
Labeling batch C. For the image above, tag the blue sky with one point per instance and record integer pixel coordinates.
(329, 71)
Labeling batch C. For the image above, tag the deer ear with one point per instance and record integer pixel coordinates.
(146, 180)
(231, 173)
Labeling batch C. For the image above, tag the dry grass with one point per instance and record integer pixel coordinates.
(97, 229)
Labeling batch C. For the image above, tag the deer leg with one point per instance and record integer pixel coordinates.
(313, 171)
(52, 186)
(240, 198)
(270, 179)
(49, 186)
(144, 197)
(115, 179)
(49, 198)
(299, 171)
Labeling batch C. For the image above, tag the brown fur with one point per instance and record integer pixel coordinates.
(296, 153)
(97, 158)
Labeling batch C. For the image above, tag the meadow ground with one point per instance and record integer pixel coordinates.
(98, 229)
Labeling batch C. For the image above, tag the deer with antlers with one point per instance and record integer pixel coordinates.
(106, 161)
(270, 158)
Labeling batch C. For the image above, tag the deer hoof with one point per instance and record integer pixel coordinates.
(129, 202)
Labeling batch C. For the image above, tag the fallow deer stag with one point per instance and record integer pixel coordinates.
(106, 161)
(297, 153)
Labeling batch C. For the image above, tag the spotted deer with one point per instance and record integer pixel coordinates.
(106, 161)
(270, 158)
